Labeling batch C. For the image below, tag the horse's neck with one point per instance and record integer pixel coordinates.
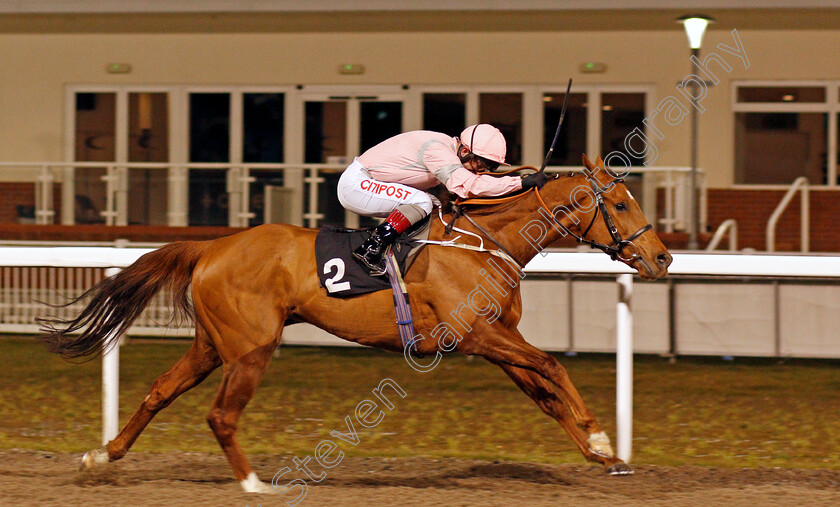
(513, 225)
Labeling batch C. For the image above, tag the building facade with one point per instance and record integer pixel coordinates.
(191, 111)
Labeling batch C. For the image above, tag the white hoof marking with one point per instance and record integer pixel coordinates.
(253, 484)
(599, 443)
(94, 458)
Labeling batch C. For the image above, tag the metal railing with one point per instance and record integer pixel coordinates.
(730, 226)
(306, 180)
(800, 184)
(30, 292)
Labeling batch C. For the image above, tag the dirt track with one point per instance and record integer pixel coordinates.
(38, 478)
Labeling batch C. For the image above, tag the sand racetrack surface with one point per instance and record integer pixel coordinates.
(40, 478)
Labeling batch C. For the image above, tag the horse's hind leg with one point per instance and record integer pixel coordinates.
(592, 442)
(238, 386)
(188, 372)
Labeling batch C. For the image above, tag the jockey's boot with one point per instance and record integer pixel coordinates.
(371, 251)
(384, 235)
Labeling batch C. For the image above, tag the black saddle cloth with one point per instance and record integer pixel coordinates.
(342, 275)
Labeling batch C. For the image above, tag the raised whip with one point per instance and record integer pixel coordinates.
(557, 132)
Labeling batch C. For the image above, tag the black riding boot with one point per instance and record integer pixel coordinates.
(370, 252)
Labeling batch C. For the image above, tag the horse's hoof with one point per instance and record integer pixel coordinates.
(94, 458)
(253, 484)
(620, 469)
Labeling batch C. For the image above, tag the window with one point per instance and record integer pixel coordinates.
(780, 147)
(209, 142)
(620, 114)
(781, 94)
(571, 142)
(262, 127)
(504, 111)
(781, 133)
(96, 127)
(209, 127)
(148, 132)
(379, 121)
(95, 133)
(262, 141)
(325, 131)
(445, 112)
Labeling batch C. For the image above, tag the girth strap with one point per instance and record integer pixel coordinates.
(402, 306)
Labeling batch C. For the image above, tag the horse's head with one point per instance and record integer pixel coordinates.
(609, 218)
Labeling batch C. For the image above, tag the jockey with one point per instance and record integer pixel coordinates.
(387, 181)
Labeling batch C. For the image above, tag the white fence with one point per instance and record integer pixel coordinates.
(305, 183)
(33, 277)
(44, 278)
(713, 304)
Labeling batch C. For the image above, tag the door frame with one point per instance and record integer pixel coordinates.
(354, 95)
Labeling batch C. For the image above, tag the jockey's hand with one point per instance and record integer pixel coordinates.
(534, 180)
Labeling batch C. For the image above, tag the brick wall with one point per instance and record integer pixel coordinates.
(138, 233)
(14, 195)
(752, 210)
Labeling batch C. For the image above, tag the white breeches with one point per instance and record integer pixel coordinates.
(361, 194)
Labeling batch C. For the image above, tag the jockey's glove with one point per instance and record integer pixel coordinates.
(534, 180)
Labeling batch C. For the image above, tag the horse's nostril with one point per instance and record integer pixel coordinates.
(664, 259)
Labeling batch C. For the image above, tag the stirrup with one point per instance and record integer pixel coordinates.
(374, 269)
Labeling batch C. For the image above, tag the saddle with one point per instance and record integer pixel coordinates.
(342, 276)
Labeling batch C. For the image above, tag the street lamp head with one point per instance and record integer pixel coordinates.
(695, 26)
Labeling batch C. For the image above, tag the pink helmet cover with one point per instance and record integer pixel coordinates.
(486, 141)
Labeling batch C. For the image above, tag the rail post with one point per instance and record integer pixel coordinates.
(111, 384)
(624, 368)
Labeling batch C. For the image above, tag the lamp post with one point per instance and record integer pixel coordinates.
(695, 26)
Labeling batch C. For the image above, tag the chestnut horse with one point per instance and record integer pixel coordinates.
(247, 287)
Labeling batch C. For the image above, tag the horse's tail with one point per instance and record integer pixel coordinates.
(117, 301)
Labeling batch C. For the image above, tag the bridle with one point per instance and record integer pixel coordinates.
(613, 250)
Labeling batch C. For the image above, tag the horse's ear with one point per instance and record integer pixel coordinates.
(599, 162)
(586, 162)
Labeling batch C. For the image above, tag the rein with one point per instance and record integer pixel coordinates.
(457, 212)
(619, 243)
(614, 250)
(492, 239)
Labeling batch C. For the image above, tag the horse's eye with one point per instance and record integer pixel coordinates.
(621, 206)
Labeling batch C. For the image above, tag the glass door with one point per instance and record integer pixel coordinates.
(112, 127)
(338, 128)
(239, 133)
(95, 135)
(209, 141)
(148, 141)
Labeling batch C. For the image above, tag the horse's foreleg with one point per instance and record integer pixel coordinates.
(540, 374)
(238, 386)
(592, 442)
(188, 372)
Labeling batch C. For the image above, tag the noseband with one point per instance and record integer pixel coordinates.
(613, 250)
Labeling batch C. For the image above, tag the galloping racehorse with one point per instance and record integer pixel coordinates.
(247, 287)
